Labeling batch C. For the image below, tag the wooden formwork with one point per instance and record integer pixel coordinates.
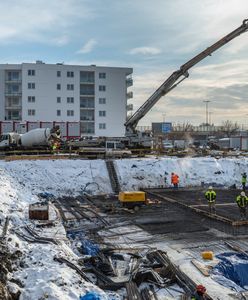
(38, 211)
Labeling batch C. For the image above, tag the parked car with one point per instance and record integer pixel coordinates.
(168, 145)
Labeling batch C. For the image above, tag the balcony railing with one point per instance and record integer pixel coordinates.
(13, 106)
(87, 93)
(129, 82)
(13, 80)
(87, 80)
(12, 93)
(87, 119)
(129, 95)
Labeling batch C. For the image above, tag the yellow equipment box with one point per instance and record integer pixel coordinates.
(132, 197)
(207, 255)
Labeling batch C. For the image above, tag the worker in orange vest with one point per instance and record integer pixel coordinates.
(174, 180)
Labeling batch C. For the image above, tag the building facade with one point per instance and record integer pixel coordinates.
(94, 96)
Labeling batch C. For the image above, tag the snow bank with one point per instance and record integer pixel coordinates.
(141, 173)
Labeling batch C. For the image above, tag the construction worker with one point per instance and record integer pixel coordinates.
(174, 180)
(200, 293)
(242, 201)
(210, 195)
(243, 180)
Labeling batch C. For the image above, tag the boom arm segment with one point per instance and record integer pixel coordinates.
(175, 78)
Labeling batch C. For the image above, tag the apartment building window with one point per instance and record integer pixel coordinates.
(102, 75)
(70, 87)
(31, 99)
(102, 88)
(31, 85)
(31, 72)
(58, 73)
(70, 74)
(70, 113)
(102, 113)
(102, 125)
(58, 99)
(58, 113)
(102, 100)
(70, 100)
(31, 112)
(58, 86)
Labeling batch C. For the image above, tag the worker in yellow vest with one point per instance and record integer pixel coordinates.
(210, 195)
(242, 201)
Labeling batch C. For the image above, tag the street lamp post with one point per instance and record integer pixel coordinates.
(206, 101)
(210, 113)
(163, 114)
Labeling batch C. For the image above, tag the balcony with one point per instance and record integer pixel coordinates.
(129, 95)
(129, 107)
(129, 82)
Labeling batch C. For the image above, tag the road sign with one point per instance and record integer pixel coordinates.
(166, 127)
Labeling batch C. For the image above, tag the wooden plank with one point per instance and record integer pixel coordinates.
(201, 267)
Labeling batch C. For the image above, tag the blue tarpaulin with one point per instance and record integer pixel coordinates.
(232, 270)
(87, 247)
(90, 296)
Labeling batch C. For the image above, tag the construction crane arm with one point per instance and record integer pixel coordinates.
(178, 76)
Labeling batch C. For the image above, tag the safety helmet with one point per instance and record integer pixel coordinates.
(201, 288)
(210, 188)
(242, 194)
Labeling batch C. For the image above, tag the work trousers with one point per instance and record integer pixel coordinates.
(243, 186)
(175, 185)
(211, 207)
(242, 212)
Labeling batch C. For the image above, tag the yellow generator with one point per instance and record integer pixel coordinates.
(132, 199)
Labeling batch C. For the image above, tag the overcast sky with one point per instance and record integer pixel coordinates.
(153, 37)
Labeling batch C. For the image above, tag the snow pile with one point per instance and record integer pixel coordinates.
(36, 273)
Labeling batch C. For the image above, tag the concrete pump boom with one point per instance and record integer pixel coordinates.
(175, 78)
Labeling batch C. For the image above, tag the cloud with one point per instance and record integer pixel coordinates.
(40, 21)
(88, 47)
(145, 51)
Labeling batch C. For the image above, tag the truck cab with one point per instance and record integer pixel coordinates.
(116, 149)
(8, 140)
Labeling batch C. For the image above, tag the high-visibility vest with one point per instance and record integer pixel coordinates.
(242, 201)
(174, 179)
(244, 179)
(210, 196)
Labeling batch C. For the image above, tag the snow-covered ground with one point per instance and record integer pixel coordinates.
(22, 181)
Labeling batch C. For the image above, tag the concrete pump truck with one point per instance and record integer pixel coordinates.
(135, 138)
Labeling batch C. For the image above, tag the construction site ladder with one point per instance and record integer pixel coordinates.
(113, 176)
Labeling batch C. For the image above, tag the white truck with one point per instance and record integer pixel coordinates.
(112, 149)
(35, 138)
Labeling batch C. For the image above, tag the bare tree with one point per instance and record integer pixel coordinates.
(229, 127)
(185, 127)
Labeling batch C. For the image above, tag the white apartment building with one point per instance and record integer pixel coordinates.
(94, 96)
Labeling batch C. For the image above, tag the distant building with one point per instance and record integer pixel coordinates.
(94, 96)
